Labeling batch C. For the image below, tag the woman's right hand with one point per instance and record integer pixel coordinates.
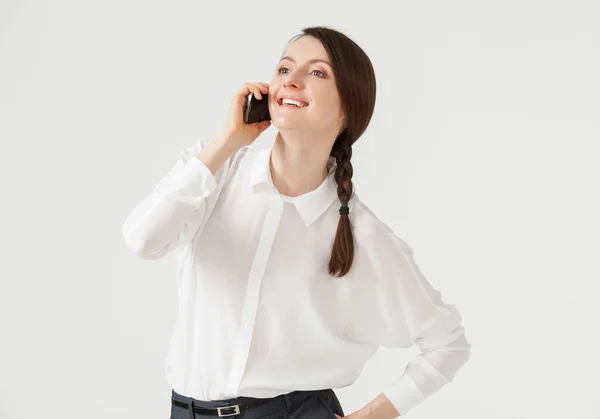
(240, 133)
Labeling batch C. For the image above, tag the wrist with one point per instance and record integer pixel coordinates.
(218, 150)
(223, 141)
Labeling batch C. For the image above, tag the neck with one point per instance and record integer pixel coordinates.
(299, 162)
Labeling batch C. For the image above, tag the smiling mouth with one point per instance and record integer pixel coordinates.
(289, 105)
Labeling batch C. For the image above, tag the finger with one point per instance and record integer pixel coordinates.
(255, 88)
(244, 90)
(263, 87)
(252, 87)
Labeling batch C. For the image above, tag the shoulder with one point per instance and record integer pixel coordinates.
(373, 235)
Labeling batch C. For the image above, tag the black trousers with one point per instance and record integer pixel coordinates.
(317, 404)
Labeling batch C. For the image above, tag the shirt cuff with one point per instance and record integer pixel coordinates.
(190, 178)
(404, 394)
(198, 178)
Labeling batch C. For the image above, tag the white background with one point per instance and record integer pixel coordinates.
(482, 154)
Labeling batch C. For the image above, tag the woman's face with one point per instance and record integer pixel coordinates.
(304, 74)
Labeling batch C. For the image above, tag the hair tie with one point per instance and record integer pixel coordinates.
(344, 210)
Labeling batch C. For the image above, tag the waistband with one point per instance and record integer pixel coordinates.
(250, 406)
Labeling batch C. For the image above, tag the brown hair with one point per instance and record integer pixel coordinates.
(355, 81)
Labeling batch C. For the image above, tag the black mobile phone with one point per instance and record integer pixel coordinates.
(256, 110)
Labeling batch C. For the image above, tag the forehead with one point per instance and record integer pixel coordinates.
(306, 48)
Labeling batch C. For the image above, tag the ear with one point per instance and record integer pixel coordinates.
(341, 122)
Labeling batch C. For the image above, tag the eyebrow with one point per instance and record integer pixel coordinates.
(314, 60)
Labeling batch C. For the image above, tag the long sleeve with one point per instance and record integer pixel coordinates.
(172, 213)
(435, 328)
(404, 310)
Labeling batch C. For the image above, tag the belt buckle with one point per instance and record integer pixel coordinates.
(236, 410)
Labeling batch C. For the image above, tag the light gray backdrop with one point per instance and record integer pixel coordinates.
(482, 154)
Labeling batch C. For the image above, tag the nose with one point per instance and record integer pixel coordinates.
(292, 81)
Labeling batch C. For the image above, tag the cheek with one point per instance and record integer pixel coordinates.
(328, 96)
(330, 103)
(274, 89)
(274, 86)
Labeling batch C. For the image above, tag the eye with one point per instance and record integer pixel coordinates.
(321, 74)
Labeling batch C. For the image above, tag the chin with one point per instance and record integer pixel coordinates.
(288, 123)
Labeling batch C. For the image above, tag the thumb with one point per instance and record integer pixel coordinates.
(263, 125)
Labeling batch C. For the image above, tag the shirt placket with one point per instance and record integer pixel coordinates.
(261, 257)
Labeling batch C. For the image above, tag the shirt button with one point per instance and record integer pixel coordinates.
(249, 324)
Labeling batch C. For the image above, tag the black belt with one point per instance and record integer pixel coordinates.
(238, 408)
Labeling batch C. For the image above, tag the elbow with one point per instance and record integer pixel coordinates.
(466, 351)
(143, 252)
(142, 246)
(463, 355)
(462, 346)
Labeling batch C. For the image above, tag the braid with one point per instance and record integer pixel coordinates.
(344, 171)
(342, 253)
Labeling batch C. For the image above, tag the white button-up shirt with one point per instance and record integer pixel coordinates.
(259, 315)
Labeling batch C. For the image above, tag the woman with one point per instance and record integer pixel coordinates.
(287, 282)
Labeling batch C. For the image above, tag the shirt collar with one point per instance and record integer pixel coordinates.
(310, 205)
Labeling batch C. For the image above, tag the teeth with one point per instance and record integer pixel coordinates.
(292, 102)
